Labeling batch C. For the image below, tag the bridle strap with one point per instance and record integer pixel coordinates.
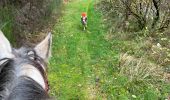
(4, 59)
(3, 62)
(39, 66)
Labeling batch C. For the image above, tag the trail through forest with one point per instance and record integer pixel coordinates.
(82, 61)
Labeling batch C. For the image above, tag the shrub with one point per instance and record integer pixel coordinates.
(26, 17)
(136, 15)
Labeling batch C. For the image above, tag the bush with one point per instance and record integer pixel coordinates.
(136, 15)
(26, 17)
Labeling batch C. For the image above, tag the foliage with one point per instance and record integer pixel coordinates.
(23, 18)
(6, 23)
(136, 25)
(135, 15)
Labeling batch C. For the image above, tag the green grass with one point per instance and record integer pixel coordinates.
(6, 23)
(80, 57)
(85, 64)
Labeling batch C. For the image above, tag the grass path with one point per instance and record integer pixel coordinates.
(82, 60)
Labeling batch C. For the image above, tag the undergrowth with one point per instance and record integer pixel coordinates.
(143, 64)
(6, 23)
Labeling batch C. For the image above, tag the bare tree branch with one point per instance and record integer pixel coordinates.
(156, 18)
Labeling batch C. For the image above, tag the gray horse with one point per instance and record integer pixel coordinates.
(23, 71)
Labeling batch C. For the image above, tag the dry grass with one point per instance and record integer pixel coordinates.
(140, 68)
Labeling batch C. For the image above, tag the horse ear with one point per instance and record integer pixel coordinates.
(43, 49)
(5, 47)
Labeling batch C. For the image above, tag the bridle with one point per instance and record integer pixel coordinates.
(40, 64)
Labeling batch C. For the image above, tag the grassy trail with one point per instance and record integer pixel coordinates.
(82, 60)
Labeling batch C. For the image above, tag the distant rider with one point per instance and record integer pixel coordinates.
(84, 20)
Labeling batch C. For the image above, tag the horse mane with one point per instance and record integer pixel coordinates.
(27, 89)
(18, 88)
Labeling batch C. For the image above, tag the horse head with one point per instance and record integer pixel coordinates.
(23, 71)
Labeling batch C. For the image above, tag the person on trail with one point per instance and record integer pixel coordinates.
(84, 20)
